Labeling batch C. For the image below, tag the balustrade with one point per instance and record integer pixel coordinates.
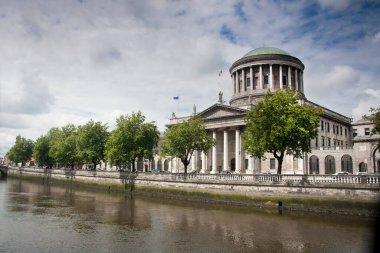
(260, 178)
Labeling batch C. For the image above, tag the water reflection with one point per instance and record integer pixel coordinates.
(101, 222)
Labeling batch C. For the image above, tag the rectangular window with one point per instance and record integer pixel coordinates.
(345, 132)
(328, 142)
(328, 127)
(323, 141)
(272, 164)
(322, 125)
(248, 82)
(266, 79)
(341, 132)
(355, 132)
(316, 142)
(366, 131)
(333, 129)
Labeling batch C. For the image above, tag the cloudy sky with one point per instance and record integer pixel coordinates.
(69, 61)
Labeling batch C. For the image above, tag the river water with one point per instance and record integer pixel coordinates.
(43, 218)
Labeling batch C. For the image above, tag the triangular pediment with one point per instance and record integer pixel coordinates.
(218, 111)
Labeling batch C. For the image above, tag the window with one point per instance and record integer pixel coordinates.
(355, 132)
(272, 164)
(266, 79)
(366, 131)
(328, 142)
(323, 141)
(334, 143)
(328, 127)
(314, 165)
(248, 82)
(341, 130)
(316, 142)
(322, 125)
(329, 164)
(346, 163)
(333, 129)
(345, 132)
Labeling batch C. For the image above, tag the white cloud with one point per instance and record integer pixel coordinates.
(335, 4)
(376, 37)
(66, 62)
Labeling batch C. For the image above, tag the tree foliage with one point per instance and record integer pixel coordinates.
(91, 139)
(21, 151)
(280, 124)
(375, 118)
(132, 139)
(63, 147)
(182, 139)
(41, 152)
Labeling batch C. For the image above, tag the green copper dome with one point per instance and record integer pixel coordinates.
(266, 50)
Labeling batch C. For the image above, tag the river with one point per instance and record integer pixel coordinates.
(43, 218)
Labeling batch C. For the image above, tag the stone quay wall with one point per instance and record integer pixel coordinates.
(310, 186)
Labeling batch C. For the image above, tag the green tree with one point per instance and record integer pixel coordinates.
(21, 151)
(92, 138)
(132, 139)
(375, 118)
(41, 152)
(63, 147)
(281, 124)
(182, 139)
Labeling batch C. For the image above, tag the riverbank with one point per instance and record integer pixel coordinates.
(282, 203)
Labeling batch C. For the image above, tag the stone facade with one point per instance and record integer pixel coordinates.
(335, 149)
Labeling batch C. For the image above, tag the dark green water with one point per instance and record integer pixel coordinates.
(40, 218)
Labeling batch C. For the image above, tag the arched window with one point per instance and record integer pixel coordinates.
(314, 165)
(363, 167)
(159, 165)
(347, 163)
(329, 164)
(166, 165)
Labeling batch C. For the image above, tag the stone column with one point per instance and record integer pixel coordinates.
(204, 162)
(250, 165)
(214, 158)
(270, 77)
(225, 150)
(301, 80)
(243, 80)
(237, 81)
(261, 77)
(194, 161)
(289, 77)
(280, 74)
(233, 83)
(170, 165)
(237, 151)
(296, 79)
(251, 76)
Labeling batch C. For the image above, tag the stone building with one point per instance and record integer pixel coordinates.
(340, 146)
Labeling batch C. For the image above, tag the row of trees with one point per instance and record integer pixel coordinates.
(280, 124)
(133, 138)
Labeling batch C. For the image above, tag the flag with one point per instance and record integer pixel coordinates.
(220, 73)
(176, 98)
